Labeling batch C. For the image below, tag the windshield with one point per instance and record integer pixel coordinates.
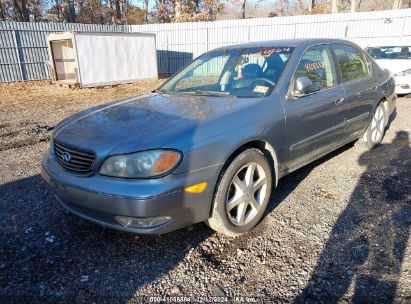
(390, 52)
(245, 72)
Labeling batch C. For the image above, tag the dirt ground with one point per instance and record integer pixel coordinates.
(29, 110)
(337, 230)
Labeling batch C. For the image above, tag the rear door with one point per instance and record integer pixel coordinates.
(315, 121)
(360, 87)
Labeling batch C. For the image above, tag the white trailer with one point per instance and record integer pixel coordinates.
(89, 59)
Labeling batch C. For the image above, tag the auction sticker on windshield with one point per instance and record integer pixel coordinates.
(260, 89)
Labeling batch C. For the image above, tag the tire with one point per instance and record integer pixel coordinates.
(238, 203)
(375, 131)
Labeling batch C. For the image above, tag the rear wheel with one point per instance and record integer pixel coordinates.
(375, 132)
(242, 194)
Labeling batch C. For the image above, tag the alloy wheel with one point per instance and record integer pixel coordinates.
(377, 125)
(246, 194)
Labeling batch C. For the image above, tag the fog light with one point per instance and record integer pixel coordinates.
(142, 222)
(404, 86)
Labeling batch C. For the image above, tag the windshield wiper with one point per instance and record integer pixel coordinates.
(211, 93)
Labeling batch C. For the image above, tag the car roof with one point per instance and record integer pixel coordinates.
(286, 43)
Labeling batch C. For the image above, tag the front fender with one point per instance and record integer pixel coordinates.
(216, 149)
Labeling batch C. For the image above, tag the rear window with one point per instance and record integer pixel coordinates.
(390, 52)
(352, 62)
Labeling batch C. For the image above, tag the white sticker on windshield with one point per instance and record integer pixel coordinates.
(284, 57)
(260, 89)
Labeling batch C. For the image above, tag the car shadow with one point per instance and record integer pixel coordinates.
(291, 181)
(362, 259)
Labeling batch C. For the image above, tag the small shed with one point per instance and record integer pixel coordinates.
(89, 59)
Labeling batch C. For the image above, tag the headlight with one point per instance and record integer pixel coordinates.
(141, 164)
(404, 73)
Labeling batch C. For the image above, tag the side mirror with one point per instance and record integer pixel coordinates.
(301, 86)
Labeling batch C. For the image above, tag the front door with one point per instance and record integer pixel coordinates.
(315, 122)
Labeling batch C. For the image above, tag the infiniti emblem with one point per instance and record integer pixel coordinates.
(66, 156)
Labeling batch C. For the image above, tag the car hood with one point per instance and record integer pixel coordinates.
(140, 123)
(394, 65)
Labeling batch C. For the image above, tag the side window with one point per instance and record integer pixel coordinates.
(316, 64)
(352, 62)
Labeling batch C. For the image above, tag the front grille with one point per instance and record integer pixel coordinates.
(73, 158)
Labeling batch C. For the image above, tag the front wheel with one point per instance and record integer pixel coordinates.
(242, 194)
(375, 131)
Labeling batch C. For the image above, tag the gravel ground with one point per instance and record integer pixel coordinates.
(336, 231)
(29, 110)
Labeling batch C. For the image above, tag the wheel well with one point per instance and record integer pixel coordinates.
(265, 148)
(261, 145)
(385, 105)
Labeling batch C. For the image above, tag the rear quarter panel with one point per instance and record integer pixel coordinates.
(386, 83)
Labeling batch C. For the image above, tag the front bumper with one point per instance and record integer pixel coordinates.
(99, 198)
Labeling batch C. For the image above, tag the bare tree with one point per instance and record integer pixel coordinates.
(58, 8)
(299, 8)
(163, 11)
(22, 11)
(397, 4)
(125, 12)
(243, 8)
(242, 4)
(118, 11)
(2, 14)
(178, 10)
(208, 10)
(63, 10)
(334, 8)
(282, 8)
(145, 8)
(71, 12)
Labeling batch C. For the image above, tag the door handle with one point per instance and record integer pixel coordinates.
(339, 101)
